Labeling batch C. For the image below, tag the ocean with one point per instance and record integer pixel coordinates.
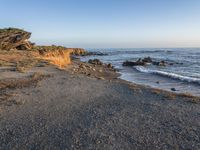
(183, 75)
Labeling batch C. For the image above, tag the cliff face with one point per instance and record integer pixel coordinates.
(57, 56)
(77, 51)
(12, 38)
(73, 51)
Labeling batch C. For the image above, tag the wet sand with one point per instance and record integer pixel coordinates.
(78, 109)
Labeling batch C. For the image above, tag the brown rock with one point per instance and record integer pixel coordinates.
(77, 51)
(109, 65)
(12, 38)
(95, 62)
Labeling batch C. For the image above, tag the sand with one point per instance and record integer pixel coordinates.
(80, 110)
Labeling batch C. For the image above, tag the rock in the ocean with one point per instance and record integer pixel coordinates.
(173, 89)
(157, 82)
(142, 62)
(132, 63)
(162, 63)
(147, 60)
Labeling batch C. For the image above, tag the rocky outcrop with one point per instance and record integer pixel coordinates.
(95, 62)
(77, 51)
(73, 51)
(132, 63)
(12, 38)
(147, 60)
(142, 62)
(100, 63)
(83, 52)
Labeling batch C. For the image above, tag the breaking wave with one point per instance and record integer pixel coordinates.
(168, 74)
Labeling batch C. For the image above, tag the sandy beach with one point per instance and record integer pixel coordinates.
(72, 109)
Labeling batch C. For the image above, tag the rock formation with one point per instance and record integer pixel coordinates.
(12, 38)
(142, 62)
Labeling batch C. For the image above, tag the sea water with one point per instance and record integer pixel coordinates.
(183, 75)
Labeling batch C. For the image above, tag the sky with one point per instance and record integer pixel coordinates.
(106, 23)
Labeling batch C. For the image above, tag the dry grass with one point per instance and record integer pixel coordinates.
(5, 63)
(168, 95)
(192, 98)
(17, 83)
(59, 58)
(22, 60)
(25, 60)
(171, 96)
(188, 95)
(26, 64)
(156, 91)
(20, 83)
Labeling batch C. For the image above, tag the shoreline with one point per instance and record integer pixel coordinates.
(150, 68)
(151, 87)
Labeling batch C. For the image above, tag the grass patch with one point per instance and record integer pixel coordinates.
(26, 64)
(25, 60)
(192, 98)
(168, 95)
(20, 83)
(11, 30)
(5, 63)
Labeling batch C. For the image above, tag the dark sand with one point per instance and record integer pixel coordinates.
(79, 111)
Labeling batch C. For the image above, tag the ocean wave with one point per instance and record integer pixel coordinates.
(117, 52)
(168, 74)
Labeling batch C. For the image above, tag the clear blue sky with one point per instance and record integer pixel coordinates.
(106, 23)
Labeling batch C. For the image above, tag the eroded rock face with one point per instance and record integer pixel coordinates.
(73, 51)
(12, 38)
(78, 51)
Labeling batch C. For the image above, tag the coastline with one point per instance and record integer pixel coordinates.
(51, 100)
(86, 106)
(156, 68)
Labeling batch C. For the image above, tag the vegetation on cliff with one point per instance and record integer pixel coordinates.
(18, 51)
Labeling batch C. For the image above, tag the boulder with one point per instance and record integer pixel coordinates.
(147, 60)
(162, 63)
(13, 38)
(95, 62)
(173, 89)
(109, 65)
(142, 62)
(132, 63)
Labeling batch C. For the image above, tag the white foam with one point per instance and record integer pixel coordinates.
(168, 74)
